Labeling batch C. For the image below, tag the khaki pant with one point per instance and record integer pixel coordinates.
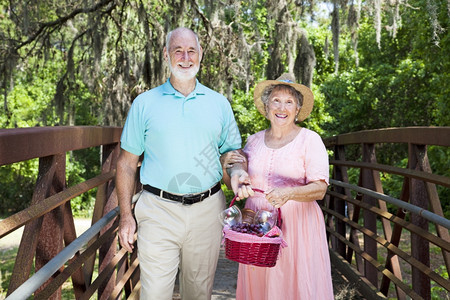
(171, 236)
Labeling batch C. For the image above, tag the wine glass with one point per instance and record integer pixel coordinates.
(230, 216)
(265, 219)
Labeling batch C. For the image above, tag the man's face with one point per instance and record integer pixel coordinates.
(183, 55)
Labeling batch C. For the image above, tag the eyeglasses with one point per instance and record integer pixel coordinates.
(277, 103)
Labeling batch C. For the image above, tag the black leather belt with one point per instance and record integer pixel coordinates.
(186, 198)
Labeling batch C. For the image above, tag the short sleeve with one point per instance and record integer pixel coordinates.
(316, 160)
(132, 139)
(230, 138)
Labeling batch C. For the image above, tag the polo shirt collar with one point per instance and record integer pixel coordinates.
(199, 89)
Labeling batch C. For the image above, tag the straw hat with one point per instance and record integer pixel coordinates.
(287, 79)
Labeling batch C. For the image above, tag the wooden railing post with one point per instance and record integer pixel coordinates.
(354, 214)
(435, 204)
(109, 249)
(420, 248)
(70, 234)
(340, 173)
(370, 219)
(51, 179)
(392, 262)
(51, 235)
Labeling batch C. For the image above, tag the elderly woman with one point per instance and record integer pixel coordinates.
(290, 164)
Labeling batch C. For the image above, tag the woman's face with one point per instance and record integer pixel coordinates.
(282, 107)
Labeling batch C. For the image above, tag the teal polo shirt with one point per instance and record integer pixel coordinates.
(181, 137)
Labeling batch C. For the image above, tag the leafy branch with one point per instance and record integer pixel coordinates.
(49, 27)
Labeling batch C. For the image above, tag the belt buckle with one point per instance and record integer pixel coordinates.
(187, 197)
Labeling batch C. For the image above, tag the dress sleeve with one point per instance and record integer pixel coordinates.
(249, 144)
(316, 160)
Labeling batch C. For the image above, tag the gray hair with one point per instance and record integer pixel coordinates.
(169, 35)
(265, 97)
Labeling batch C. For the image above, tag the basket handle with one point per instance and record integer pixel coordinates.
(279, 220)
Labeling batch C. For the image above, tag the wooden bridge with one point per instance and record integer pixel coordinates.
(390, 247)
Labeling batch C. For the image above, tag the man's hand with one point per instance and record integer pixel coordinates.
(230, 158)
(125, 182)
(127, 228)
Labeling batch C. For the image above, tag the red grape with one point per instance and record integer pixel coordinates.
(248, 229)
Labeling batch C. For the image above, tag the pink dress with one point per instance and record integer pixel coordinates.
(303, 268)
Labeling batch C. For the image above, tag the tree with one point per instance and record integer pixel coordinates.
(83, 62)
(404, 77)
(113, 47)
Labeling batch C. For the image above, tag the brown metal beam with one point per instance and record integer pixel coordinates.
(28, 243)
(75, 265)
(36, 210)
(373, 261)
(429, 177)
(369, 259)
(22, 144)
(401, 222)
(439, 136)
(364, 286)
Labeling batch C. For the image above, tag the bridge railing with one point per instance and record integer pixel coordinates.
(383, 243)
(391, 247)
(49, 239)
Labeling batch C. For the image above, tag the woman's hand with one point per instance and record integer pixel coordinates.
(315, 190)
(241, 185)
(230, 158)
(277, 197)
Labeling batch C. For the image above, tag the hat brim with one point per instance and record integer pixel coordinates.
(308, 97)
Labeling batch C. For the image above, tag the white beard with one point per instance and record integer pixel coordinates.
(183, 75)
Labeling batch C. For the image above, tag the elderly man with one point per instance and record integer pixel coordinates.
(182, 128)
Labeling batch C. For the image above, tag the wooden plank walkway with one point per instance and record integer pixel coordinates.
(226, 275)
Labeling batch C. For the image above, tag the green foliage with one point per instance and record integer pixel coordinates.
(84, 71)
(402, 83)
(247, 116)
(17, 181)
(7, 260)
(438, 292)
(319, 36)
(31, 104)
(319, 115)
(366, 97)
(30, 101)
(440, 165)
(82, 165)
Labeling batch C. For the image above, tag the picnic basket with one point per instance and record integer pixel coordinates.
(251, 249)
